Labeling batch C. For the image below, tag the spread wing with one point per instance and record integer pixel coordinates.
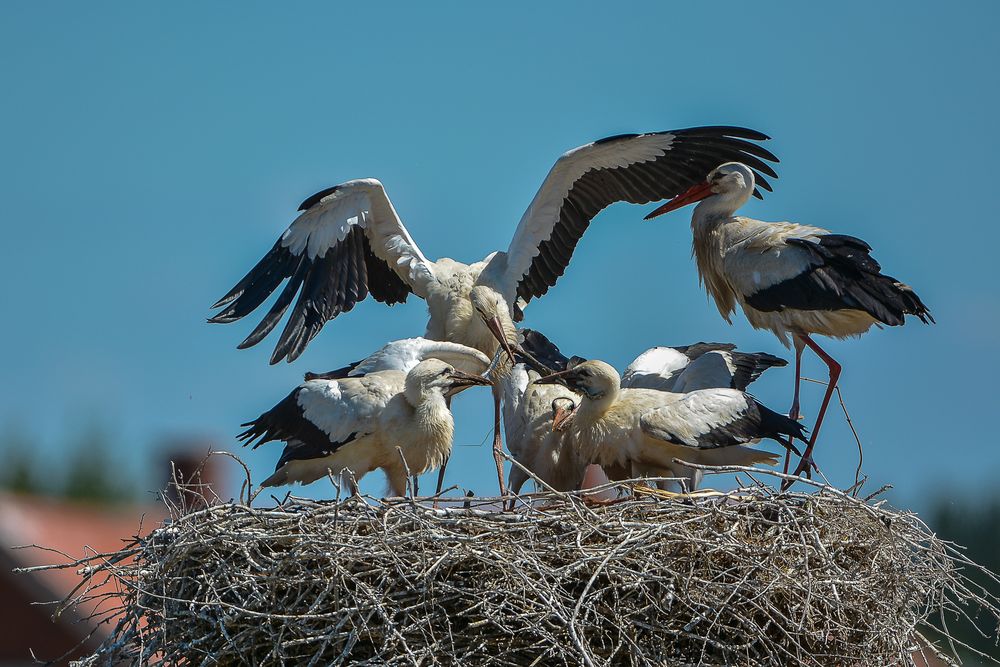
(402, 355)
(347, 242)
(636, 168)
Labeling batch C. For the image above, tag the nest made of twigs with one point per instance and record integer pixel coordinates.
(748, 577)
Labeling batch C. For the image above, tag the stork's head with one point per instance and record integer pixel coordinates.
(593, 379)
(433, 377)
(491, 307)
(729, 185)
(563, 409)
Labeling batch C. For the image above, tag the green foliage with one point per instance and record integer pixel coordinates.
(17, 473)
(91, 475)
(89, 472)
(973, 522)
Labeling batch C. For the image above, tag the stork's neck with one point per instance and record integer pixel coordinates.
(592, 409)
(431, 407)
(716, 209)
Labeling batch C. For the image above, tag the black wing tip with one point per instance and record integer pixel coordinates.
(735, 131)
(229, 298)
(314, 199)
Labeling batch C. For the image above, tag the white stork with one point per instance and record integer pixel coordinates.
(357, 423)
(529, 411)
(794, 280)
(641, 431)
(679, 370)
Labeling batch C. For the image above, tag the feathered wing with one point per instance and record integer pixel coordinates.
(711, 418)
(347, 242)
(784, 265)
(636, 168)
(402, 355)
(320, 416)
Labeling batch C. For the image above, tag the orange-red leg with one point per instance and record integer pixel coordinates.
(498, 442)
(806, 464)
(800, 345)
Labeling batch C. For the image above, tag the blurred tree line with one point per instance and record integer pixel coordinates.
(85, 471)
(973, 522)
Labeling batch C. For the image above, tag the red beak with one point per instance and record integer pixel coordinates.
(693, 194)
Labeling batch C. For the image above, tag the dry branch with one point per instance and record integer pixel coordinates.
(747, 577)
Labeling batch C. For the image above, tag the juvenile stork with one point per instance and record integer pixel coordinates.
(679, 370)
(348, 240)
(641, 431)
(356, 424)
(794, 280)
(529, 411)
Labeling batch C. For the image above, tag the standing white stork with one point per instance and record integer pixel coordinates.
(642, 430)
(794, 280)
(357, 423)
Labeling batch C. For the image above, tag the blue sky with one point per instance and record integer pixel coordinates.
(153, 152)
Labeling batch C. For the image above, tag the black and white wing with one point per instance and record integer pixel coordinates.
(656, 368)
(711, 418)
(783, 265)
(402, 355)
(636, 168)
(724, 368)
(347, 242)
(662, 367)
(321, 416)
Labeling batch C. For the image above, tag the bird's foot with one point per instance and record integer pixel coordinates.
(807, 466)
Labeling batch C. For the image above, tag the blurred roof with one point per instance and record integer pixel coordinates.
(63, 531)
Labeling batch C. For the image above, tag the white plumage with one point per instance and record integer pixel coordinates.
(641, 431)
(531, 438)
(402, 355)
(697, 366)
(356, 424)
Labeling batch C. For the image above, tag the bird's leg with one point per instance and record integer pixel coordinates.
(800, 345)
(437, 491)
(498, 443)
(414, 485)
(806, 464)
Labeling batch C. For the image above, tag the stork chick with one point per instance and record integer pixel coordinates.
(642, 430)
(794, 280)
(356, 424)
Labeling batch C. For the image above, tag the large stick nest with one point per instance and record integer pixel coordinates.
(748, 577)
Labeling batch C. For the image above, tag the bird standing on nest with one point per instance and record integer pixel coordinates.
(357, 424)
(642, 431)
(794, 280)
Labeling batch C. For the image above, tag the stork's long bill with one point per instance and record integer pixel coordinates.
(693, 194)
(461, 380)
(493, 324)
